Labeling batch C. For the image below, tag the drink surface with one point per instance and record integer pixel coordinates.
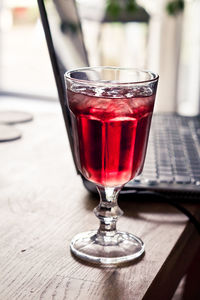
(110, 131)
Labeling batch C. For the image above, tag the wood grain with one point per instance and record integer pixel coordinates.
(43, 204)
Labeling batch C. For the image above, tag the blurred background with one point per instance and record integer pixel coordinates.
(160, 35)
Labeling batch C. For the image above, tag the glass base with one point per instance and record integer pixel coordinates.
(107, 248)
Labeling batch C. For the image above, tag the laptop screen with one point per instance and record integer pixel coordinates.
(66, 33)
(65, 43)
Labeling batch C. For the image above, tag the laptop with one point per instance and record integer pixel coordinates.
(172, 165)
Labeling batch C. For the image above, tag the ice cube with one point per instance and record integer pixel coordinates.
(98, 91)
(145, 91)
(141, 104)
(129, 93)
(135, 103)
(101, 103)
(83, 89)
(76, 98)
(138, 91)
(120, 107)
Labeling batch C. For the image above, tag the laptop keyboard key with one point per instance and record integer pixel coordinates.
(182, 179)
(137, 179)
(151, 181)
(165, 179)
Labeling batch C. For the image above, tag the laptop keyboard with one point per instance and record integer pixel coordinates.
(173, 153)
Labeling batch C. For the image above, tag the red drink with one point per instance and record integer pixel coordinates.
(111, 110)
(110, 130)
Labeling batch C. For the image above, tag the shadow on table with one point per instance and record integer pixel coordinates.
(113, 285)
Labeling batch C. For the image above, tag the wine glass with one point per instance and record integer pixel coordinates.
(111, 110)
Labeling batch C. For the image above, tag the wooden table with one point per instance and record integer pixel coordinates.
(43, 204)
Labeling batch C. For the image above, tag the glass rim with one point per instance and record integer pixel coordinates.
(68, 73)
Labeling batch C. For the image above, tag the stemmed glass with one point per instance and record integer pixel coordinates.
(111, 110)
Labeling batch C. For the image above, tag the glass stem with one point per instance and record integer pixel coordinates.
(108, 210)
